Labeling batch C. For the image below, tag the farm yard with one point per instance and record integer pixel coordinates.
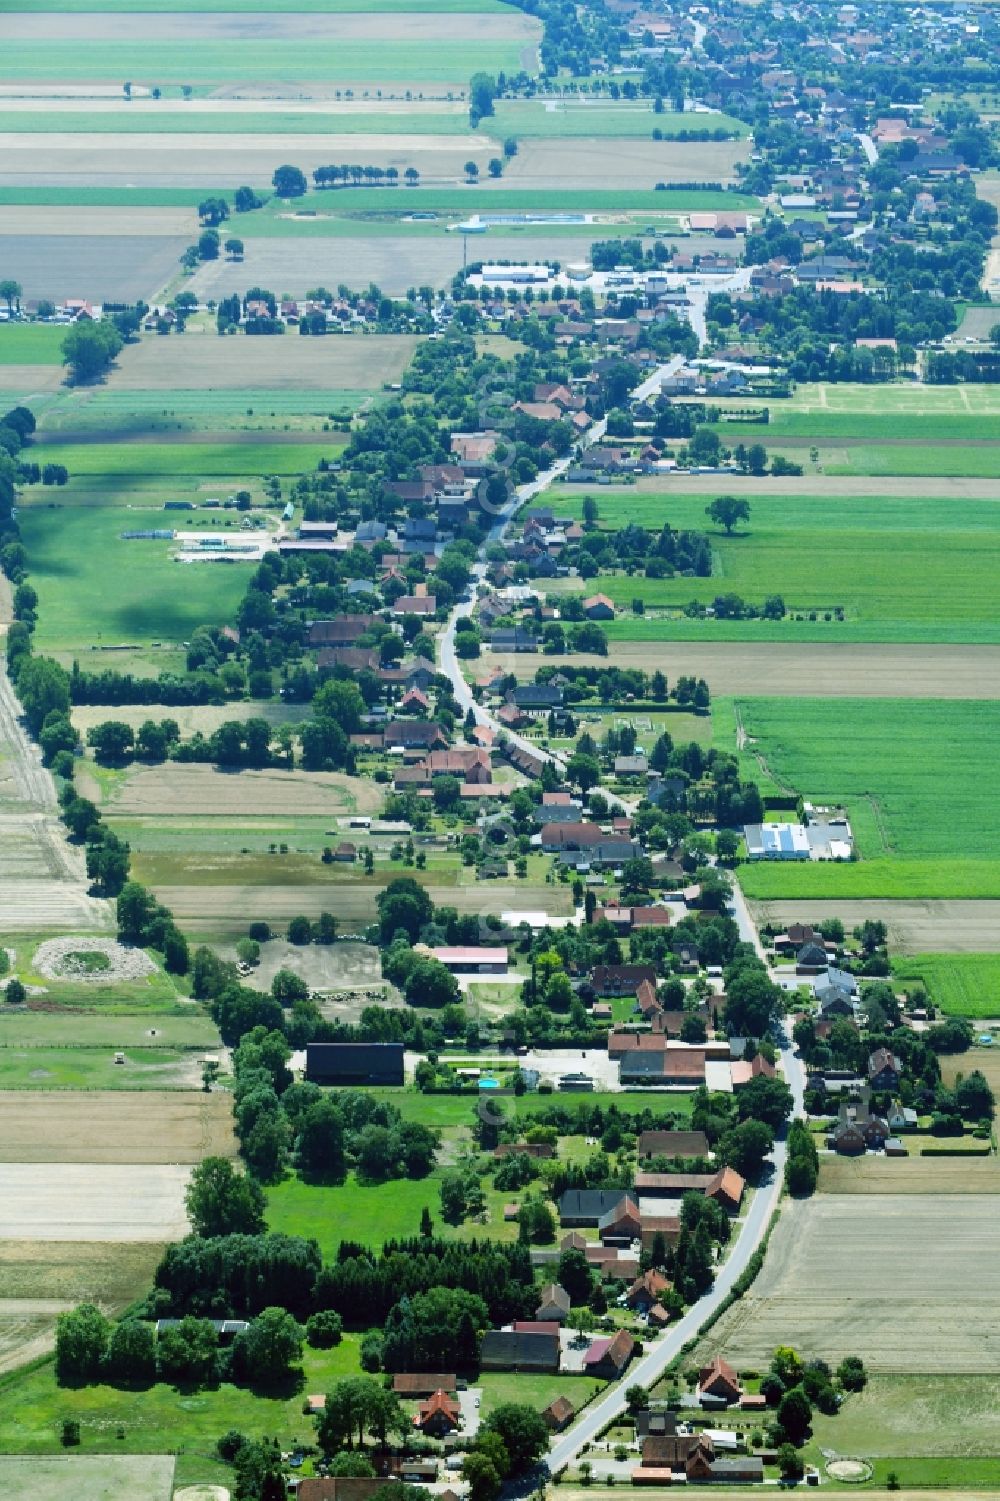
(934, 1310)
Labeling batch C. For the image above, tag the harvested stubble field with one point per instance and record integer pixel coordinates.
(223, 908)
(941, 934)
(39, 1278)
(393, 261)
(207, 791)
(124, 268)
(909, 1175)
(986, 1060)
(910, 1282)
(192, 719)
(88, 1477)
(204, 362)
(93, 1201)
(97, 1126)
(615, 163)
(62, 219)
(778, 669)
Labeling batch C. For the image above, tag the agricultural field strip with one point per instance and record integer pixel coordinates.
(910, 1282)
(92, 1202)
(112, 1127)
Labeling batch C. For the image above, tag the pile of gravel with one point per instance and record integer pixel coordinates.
(53, 960)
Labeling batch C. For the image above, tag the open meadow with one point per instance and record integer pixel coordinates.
(910, 1282)
(902, 569)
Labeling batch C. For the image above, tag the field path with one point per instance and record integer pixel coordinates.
(43, 882)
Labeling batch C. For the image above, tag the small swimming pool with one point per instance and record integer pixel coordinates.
(489, 1084)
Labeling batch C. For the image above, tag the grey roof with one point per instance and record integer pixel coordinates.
(589, 1203)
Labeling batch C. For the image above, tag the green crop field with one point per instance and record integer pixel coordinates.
(890, 879)
(140, 121)
(31, 344)
(149, 412)
(211, 460)
(913, 774)
(903, 459)
(958, 984)
(87, 594)
(250, 7)
(239, 61)
(905, 398)
(910, 426)
(604, 118)
(902, 569)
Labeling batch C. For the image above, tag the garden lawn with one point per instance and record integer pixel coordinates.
(917, 1424)
(369, 1214)
(901, 569)
(32, 1408)
(914, 775)
(958, 984)
(31, 344)
(534, 1390)
(94, 588)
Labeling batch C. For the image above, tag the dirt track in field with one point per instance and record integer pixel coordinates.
(813, 670)
(915, 927)
(910, 1282)
(96, 1126)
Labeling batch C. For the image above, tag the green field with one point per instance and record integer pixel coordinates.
(601, 118)
(143, 460)
(31, 344)
(366, 1213)
(239, 61)
(32, 1407)
(913, 459)
(249, 7)
(94, 588)
(903, 398)
(148, 412)
(902, 569)
(142, 119)
(380, 200)
(890, 879)
(932, 1430)
(792, 422)
(914, 775)
(536, 1390)
(94, 1068)
(958, 984)
(55, 1029)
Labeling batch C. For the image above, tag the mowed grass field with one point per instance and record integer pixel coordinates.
(95, 589)
(912, 773)
(901, 568)
(88, 1477)
(31, 343)
(958, 984)
(228, 458)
